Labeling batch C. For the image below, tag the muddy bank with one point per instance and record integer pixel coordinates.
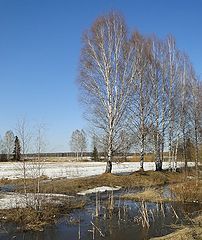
(192, 232)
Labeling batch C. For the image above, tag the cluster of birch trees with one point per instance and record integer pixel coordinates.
(139, 90)
(78, 143)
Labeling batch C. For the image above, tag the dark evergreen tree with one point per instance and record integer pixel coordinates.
(95, 156)
(17, 149)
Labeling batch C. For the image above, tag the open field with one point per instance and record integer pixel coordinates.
(13, 170)
(117, 197)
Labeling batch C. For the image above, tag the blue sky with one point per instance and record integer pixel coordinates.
(40, 43)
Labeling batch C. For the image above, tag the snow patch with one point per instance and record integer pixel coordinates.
(17, 200)
(99, 189)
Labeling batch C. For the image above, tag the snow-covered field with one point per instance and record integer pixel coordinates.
(64, 170)
(72, 169)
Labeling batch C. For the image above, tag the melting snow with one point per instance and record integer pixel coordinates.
(99, 189)
(72, 169)
(15, 200)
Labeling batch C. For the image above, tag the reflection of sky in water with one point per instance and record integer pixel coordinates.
(120, 225)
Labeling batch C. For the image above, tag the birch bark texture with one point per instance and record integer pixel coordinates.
(105, 77)
(140, 106)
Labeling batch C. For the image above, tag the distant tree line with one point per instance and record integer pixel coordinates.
(94, 155)
(16, 147)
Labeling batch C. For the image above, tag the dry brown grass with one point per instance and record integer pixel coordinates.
(148, 195)
(20, 181)
(188, 191)
(187, 233)
(193, 232)
(31, 219)
(137, 179)
(72, 186)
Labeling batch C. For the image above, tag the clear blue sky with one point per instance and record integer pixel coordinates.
(40, 43)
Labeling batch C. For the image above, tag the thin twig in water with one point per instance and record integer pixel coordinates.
(152, 214)
(79, 231)
(162, 209)
(101, 234)
(174, 212)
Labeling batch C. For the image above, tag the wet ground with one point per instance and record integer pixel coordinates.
(7, 188)
(107, 216)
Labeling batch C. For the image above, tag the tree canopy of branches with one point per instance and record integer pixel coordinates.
(8, 143)
(24, 134)
(105, 77)
(141, 86)
(78, 142)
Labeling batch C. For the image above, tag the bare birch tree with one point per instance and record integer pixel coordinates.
(173, 76)
(38, 165)
(185, 103)
(24, 136)
(105, 77)
(196, 115)
(156, 95)
(140, 107)
(9, 141)
(78, 142)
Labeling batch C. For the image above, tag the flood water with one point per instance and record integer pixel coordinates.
(7, 188)
(109, 218)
